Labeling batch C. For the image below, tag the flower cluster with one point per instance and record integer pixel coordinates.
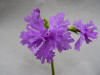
(43, 36)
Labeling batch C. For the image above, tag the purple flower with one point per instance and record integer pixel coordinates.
(42, 41)
(86, 31)
(60, 26)
(38, 38)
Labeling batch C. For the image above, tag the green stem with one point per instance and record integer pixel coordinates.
(52, 68)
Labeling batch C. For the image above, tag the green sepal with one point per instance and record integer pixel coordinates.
(73, 29)
(46, 23)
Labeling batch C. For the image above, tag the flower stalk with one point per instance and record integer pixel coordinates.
(52, 68)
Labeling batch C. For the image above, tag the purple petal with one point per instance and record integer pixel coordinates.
(79, 42)
(87, 39)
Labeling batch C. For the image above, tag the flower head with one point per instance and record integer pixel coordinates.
(60, 26)
(42, 41)
(86, 31)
